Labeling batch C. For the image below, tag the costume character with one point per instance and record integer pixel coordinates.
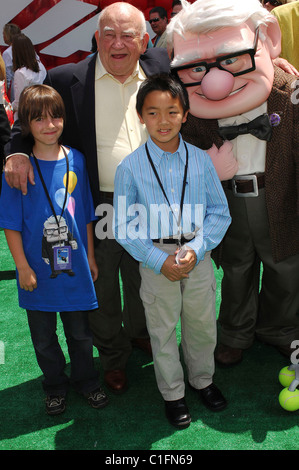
(223, 51)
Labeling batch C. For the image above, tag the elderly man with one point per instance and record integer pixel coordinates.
(223, 53)
(99, 95)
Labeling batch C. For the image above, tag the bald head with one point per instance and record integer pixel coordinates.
(121, 39)
(124, 9)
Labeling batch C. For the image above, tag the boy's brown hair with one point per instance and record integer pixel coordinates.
(36, 101)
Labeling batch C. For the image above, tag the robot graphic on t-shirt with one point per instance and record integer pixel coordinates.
(57, 246)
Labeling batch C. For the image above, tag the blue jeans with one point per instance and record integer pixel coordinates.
(83, 377)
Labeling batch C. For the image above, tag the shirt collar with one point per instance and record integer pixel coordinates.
(101, 71)
(245, 117)
(157, 154)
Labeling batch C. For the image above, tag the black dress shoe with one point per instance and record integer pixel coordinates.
(211, 397)
(177, 413)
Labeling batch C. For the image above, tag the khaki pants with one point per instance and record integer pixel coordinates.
(193, 301)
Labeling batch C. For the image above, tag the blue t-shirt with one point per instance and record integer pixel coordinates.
(58, 256)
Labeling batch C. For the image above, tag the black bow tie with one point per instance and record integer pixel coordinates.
(260, 127)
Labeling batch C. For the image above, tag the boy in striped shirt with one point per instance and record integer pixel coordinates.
(170, 212)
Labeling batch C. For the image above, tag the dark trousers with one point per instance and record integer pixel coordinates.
(269, 311)
(50, 358)
(119, 319)
(114, 324)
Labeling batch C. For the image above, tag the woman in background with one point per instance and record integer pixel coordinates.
(28, 70)
(9, 31)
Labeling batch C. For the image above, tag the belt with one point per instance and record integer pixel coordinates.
(106, 195)
(172, 241)
(246, 185)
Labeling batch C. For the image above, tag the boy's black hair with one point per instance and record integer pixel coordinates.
(162, 82)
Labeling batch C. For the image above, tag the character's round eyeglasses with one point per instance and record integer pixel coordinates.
(237, 63)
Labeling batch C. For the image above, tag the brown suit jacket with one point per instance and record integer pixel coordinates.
(282, 163)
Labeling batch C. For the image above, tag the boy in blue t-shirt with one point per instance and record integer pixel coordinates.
(50, 235)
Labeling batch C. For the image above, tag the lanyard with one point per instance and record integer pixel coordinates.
(165, 195)
(45, 187)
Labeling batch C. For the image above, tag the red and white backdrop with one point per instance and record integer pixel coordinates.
(61, 30)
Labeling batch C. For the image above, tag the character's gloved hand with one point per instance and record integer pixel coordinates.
(223, 160)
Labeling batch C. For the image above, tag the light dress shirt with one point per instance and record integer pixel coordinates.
(142, 213)
(24, 77)
(249, 151)
(118, 129)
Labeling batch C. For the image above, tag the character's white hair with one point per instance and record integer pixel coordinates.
(124, 8)
(203, 16)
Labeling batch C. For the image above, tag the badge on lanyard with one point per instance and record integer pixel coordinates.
(62, 258)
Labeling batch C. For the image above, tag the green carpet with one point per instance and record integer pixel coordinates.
(135, 421)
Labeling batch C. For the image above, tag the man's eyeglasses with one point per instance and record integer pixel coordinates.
(154, 20)
(237, 63)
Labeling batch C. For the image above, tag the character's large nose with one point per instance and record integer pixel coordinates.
(217, 84)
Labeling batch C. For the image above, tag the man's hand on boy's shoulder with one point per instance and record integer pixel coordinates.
(18, 171)
(176, 272)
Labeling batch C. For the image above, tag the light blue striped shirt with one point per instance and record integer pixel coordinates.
(141, 212)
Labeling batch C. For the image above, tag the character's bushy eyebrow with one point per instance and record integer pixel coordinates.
(226, 48)
(181, 60)
(231, 48)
